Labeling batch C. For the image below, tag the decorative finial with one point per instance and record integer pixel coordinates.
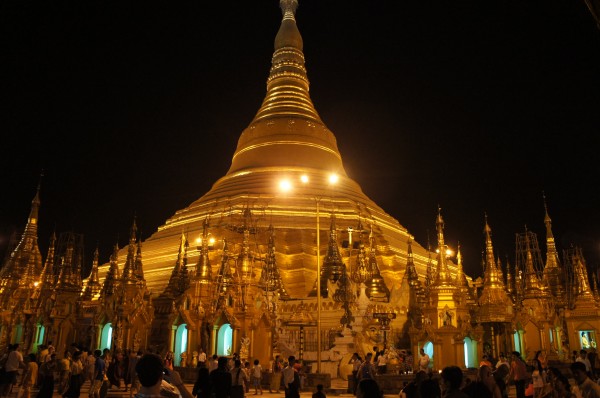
(288, 8)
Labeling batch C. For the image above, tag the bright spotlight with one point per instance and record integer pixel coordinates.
(333, 178)
(285, 185)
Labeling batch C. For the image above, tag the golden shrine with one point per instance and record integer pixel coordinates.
(286, 255)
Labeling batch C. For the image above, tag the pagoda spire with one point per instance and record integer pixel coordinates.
(360, 272)
(376, 287)
(203, 267)
(92, 287)
(47, 275)
(179, 281)
(553, 274)
(65, 277)
(139, 266)
(489, 251)
(270, 279)
(110, 281)
(551, 253)
(411, 270)
(494, 301)
(287, 121)
(443, 274)
(25, 261)
(332, 263)
(533, 286)
(129, 268)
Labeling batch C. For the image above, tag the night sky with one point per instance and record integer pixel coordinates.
(136, 108)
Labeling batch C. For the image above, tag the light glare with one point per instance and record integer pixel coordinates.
(285, 185)
(333, 178)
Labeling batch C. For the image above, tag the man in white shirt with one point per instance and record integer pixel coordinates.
(423, 361)
(14, 361)
(201, 359)
(583, 359)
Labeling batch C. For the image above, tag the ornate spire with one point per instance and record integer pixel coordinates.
(109, 286)
(92, 286)
(494, 301)
(553, 275)
(203, 267)
(47, 277)
(533, 287)
(376, 287)
(25, 261)
(360, 272)
(129, 276)
(332, 263)
(443, 277)
(179, 281)
(411, 270)
(270, 279)
(139, 266)
(287, 122)
(65, 277)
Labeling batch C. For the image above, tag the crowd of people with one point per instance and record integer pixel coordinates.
(104, 370)
(229, 377)
(533, 379)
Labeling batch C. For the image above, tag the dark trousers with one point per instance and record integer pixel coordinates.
(520, 387)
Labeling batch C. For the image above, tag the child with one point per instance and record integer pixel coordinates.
(256, 377)
(319, 393)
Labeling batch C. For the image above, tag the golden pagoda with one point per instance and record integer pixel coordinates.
(286, 140)
(495, 312)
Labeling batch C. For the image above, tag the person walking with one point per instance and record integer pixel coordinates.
(220, 379)
(238, 380)
(367, 369)
(99, 374)
(256, 377)
(14, 362)
(30, 376)
(47, 376)
(202, 387)
(275, 382)
(518, 373)
(291, 379)
(76, 378)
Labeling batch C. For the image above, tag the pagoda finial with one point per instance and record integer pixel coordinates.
(129, 268)
(288, 8)
(287, 117)
(443, 274)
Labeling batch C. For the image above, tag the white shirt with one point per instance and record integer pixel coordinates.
(424, 361)
(257, 371)
(13, 361)
(288, 375)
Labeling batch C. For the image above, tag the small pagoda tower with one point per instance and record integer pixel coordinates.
(582, 317)
(535, 316)
(495, 312)
(446, 319)
(19, 278)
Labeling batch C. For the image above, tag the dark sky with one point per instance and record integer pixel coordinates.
(136, 108)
